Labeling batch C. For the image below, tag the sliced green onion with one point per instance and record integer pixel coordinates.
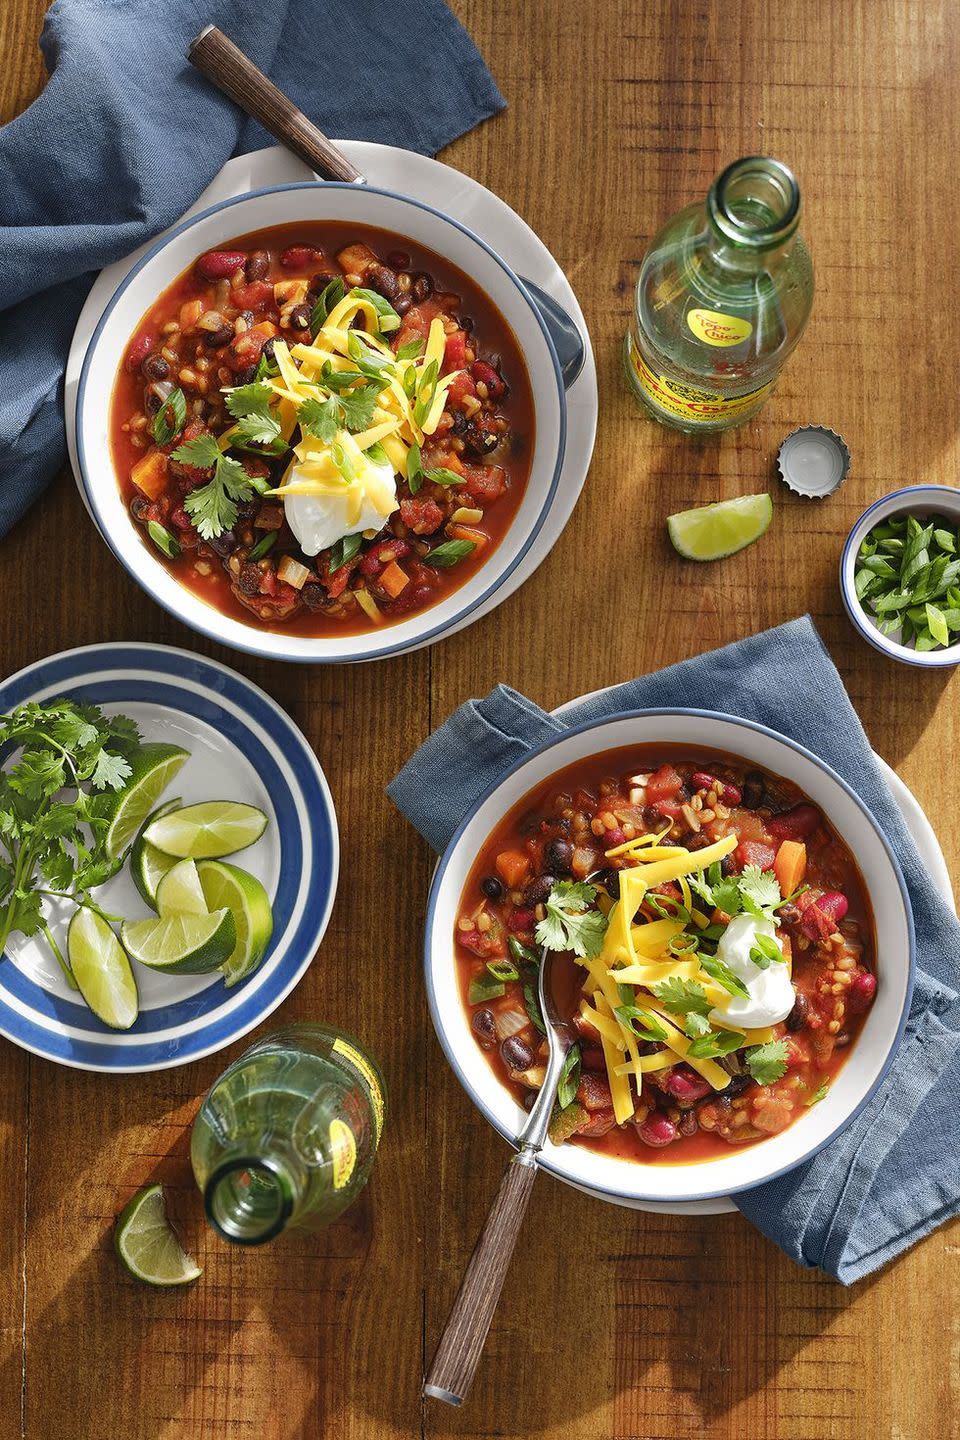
(503, 970)
(163, 539)
(264, 545)
(170, 418)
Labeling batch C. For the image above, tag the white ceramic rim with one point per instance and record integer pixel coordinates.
(627, 1181)
(549, 406)
(912, 497)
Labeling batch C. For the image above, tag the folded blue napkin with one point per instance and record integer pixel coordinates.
(894, 1174)
(127, 134)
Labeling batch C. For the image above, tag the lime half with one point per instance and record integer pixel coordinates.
(712, 531)
(102, 970)
(244, 896)
(208, 830)
(153, 766)
(186, 944)
(148, 865)
(147, 1243)
(179, 891)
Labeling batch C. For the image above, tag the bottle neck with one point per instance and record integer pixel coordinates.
(250, 1199)
(752, 214)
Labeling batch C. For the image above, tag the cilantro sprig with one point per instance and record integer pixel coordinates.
(569, 923)
(767, 1063)
(52, 835)
(213, 507)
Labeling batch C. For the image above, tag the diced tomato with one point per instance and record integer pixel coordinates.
(245, 350)
(593, 1092)
(754, 852)
(521, 921)
(416, 323)
(454, 352)
(255, 296)
(462, 386)
(796, 824)
(421, 514)
(601, 1122)
(664, 784)
(670, 809)
(591, 1058)
(485, 482)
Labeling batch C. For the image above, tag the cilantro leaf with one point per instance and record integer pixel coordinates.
(760, 886)
(253, 399)
(213, 507)
(569, 1081)
(767, 1063)
(819, 1094)
(718, 1042)
(695, 1025)
(320, 418)
(358, 407)
(202, 452)
(568, 924)
(682, 996)
(39, 774)
(110, 771)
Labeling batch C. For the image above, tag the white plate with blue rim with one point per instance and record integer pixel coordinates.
(242, 747)
(465, 200)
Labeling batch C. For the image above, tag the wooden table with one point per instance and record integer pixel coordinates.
(614, 1324)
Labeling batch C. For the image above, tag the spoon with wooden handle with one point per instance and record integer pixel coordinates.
(237, 76)
(464, 1335)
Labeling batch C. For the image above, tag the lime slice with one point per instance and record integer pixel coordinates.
(148, 865)
(712, 531)
(207, 831)
(181, 944)
(102, 970)
(147, 1243)
(244, 896)
(179, 891)
(153, 767)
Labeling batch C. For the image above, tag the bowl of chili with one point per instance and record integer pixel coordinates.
(764, 938)
(321, 422)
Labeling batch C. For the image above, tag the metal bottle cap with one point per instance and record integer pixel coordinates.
(813, 461)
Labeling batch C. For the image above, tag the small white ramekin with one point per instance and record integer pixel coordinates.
(913, 500)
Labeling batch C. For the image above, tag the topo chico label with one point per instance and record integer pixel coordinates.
(368, 1078)
(714, 328)
(343, 1152)
(689, 402)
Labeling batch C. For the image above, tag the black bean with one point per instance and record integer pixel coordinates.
(152, 402)
(257, 265)
(268, 347)
(479, 443)
(483, 1026)
(789, 914)
(248, 580)
(516, 1053)
(402, 304)
(246, 375)
(399, 259)
(538, 890)
(753, 788)
(738, 1083)
(299, 317)
(728, 866)
(610, 879)
(313, 596)
(798, 1015)
(421, 287)
(213, 339)
(688, 1123)
(223, 544)
(384, 281)
(492, 887)
(139, 506)
(320, 283)
(558, 856)
(248, 317)
(460, 423)
(154, 367)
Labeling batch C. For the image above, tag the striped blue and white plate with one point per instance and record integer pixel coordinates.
(242, 747)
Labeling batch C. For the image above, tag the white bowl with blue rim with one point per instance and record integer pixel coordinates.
(547, 339)
(242, 747)
(919, 500)
(628, 1182)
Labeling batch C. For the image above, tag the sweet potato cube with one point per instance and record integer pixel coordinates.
(150, 474)
(790, 866)
(394, 579)
(513, 867)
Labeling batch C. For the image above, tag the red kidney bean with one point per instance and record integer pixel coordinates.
(482, 372)
(298, 257)
(796, 824)
(219, 264)
(798, 1015)
(730, 795)
(657, 1131)
(862, 991)
(687, 1086)
(700, 780)
(181, 519)
(516, 1053)
(138, 352)
(398, 259)
(834, 904)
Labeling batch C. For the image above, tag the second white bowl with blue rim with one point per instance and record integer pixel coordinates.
(626, 1182)
(533, 325)
(242, 747)
(919, 500)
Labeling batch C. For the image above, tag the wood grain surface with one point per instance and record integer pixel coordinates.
(613, 1325)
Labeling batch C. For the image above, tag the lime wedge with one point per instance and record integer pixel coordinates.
(712, 531)
(148, 865)
(182, 944)
(244, 896)
(207, 831)
(153, 766)
(179, 891)
(102, 970)
(147, 1243)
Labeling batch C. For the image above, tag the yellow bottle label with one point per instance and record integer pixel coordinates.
(689, 402)
(367, 1073)
(714, 328)
(343, 1152)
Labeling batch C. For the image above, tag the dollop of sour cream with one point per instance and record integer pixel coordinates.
(319, 521)
(771, 994)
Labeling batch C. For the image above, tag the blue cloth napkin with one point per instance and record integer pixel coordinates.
(894, 1174)
(127, 134)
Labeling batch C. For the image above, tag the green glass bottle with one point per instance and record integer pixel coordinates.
(288, 1134)
(723, 296)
